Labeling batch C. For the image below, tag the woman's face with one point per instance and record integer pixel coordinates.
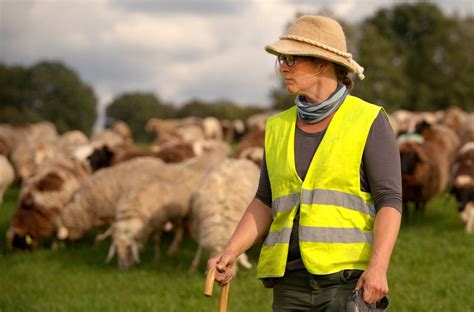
(301, 76)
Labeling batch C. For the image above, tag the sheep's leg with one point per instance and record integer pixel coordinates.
(178, 238)
(157, 245)
(104, 235)
(244, 261)
(196, 260)
(470, 220)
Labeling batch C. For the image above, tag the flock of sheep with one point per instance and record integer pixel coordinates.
(437, 155)
(189, 180)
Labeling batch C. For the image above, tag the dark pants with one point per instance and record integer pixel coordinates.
(299, 290)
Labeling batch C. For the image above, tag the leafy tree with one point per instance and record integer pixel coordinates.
(47, 91)
(417, 58)
(136, 109)
(221, 109)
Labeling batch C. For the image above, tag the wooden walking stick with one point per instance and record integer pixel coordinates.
(208, 286)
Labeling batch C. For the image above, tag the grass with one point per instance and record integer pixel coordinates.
(431, 270)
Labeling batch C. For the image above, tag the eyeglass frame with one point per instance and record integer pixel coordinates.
(289, 60)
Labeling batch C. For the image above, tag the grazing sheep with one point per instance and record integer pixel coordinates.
(94, 202)
(42, 197)
(218, 205)
(7, 176)
(424, 173)
(251, 140)
(146, 209)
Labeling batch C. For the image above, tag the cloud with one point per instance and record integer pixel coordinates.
(172, 7)
(180, 50)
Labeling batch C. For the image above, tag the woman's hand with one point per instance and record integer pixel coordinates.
(224, 266)
(375, 285)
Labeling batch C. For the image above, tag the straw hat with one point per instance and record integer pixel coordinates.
(317, 36)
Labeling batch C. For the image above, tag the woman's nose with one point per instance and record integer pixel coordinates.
(284, 68)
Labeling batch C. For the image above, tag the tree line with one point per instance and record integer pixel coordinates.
(415, 58)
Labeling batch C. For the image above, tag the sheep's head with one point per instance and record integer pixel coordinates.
(30, 225)
(126, 242)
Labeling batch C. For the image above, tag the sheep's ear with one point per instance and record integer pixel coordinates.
(63, 233)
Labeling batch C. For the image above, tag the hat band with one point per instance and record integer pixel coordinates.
(359, 70)
(318, 44)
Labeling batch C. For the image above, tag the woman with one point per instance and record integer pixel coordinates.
(329, 199)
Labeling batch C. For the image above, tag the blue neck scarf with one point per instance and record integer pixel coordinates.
(315, 112)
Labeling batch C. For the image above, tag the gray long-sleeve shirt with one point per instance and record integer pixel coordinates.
(380, 172)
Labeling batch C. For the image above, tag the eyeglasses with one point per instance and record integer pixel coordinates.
(289, 60)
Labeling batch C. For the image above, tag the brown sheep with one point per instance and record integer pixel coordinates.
(42, 197)
(441, 135)
(252, 139)
(423, 173)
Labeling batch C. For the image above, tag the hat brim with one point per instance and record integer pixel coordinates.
(293, 47)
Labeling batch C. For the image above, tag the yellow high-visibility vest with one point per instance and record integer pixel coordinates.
(336, 217)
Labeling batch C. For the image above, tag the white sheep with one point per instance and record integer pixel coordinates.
(43, 196)
(147, 208)
(7, 176)
(218, 205)
(95, 201)
(212, 128)
(94, 204)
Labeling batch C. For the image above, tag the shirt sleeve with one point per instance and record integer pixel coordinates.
(381, 160)
(264, 190)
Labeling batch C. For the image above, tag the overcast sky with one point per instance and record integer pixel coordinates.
(179, 50)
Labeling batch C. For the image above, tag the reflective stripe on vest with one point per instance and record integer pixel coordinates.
(336, 217)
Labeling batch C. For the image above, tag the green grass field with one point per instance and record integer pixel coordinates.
(431, 270)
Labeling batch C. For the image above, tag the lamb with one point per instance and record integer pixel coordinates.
(7, 176)
(42, 197)
(218, 205)
(146, 209)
